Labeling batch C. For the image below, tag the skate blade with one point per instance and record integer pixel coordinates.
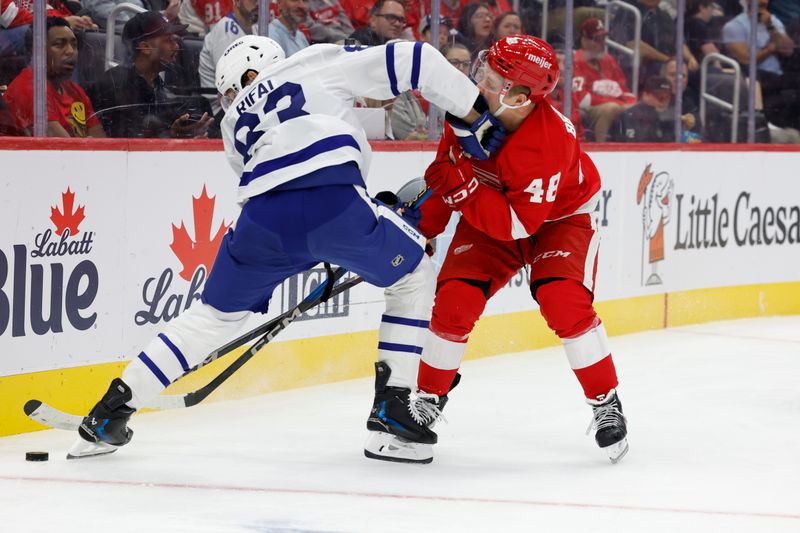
(617, 451)
(388, 447)
(83, 449)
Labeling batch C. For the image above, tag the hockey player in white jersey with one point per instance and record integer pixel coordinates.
(301, 157)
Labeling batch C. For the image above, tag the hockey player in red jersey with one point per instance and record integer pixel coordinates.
(529, 203)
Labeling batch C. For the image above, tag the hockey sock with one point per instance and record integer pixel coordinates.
(567, 307)
(184, 343)
(458, 306)
(405, 323)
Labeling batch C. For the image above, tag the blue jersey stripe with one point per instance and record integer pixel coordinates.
(154, 369)
(328, 144)
(406, 321)
(390, 69)
(396, 347)
(416, 63)
(176, 351)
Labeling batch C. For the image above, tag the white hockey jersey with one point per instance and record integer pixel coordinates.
(297, 118)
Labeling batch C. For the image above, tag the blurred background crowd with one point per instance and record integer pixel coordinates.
(145, 68)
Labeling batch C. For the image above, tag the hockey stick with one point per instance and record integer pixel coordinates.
(269, 330)
(55, 418)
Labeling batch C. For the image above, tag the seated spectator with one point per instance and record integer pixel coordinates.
(69, 110)
(386, 22)
(779, 88)
(101, 9)
(458, 55)
(446, 31)
(650, 120)
(133, 100)
(14, 13)
(556, 98)
(690, 108)
(557, 21)
(658, 38)
(453, 8)
(476, 25)
(598, 81)
(240, 21)
(508, 23)
(698, 32)
(201, 15)
(285, 29)
(327, 21)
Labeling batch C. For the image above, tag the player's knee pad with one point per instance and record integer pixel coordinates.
(184, 343)
(566, 306)
(459, 304)
(412, 295)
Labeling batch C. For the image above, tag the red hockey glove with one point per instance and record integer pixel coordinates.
(456, 183)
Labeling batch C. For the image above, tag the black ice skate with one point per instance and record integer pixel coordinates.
(106, 427)
(610, 425)
(400, 421)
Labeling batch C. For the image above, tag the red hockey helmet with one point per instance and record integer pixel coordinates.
(526, 60)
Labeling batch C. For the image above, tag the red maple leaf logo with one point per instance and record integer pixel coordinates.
(202, 250)
(67, 219)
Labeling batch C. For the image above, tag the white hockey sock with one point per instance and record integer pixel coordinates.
(405, 323)
(185, 342)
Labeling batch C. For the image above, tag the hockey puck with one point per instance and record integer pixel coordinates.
(37, 456)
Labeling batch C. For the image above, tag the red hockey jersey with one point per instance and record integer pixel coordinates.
(539, 174)
(606, 84)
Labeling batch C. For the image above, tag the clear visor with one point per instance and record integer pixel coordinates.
(486, 77)
(225, 100)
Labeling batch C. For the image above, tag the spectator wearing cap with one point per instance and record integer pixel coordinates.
(134, 101)
(508, 23)
(598, 81)
(690, 110)
(658, 38)
(69, 110)
(476, 24)
(240, 21)
(650, 120)
(285, 29)
(327, 21)
(386, 22)
(446, 31)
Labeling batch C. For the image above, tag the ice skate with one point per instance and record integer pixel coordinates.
(399, 422)
(610, 425)
(105, 429)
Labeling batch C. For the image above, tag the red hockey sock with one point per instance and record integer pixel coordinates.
(599, 378)
(435, 380)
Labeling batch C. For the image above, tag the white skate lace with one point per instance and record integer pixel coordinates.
(604, 416)
(424, 408)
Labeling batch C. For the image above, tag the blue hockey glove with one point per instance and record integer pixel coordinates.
(480, 139)
(412, 214)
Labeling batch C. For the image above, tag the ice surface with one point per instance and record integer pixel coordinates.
(714, 420)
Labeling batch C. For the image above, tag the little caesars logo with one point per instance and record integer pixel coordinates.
(654, 194)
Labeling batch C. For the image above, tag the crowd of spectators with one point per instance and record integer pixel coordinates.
(164, 84)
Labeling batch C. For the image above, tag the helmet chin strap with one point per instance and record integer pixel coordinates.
(504, 105)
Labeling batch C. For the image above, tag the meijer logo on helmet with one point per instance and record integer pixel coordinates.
(542, 62)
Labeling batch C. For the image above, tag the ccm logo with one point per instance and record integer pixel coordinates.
(551, 253)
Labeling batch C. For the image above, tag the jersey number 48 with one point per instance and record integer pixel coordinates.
(537, 189)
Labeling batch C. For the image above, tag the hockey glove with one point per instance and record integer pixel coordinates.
(411, 214)
(456, 183)
(483, 137)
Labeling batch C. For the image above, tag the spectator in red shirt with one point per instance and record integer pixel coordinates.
(598, 81)
(556, 99)
(69, 110)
